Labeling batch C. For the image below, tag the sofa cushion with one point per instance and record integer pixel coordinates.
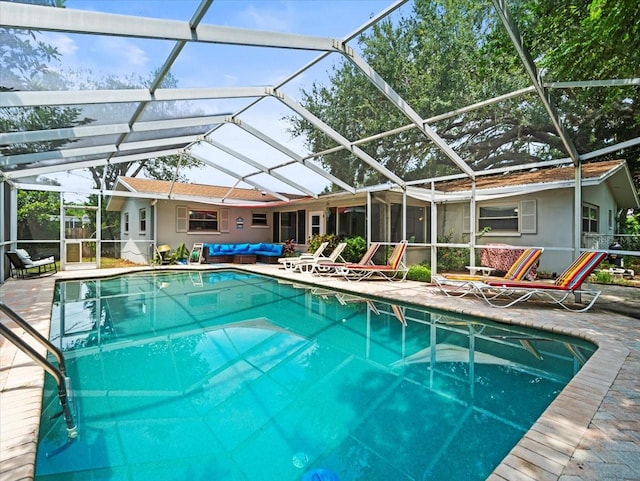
(276, 249)
(241, 249)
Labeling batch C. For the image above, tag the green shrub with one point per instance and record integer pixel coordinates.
(316, 240)
(451, 258)
(601, 277)
(355, 249)
(353, 252)
(420, 273)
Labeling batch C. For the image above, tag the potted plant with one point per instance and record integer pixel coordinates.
(289, 249)
(181, 254)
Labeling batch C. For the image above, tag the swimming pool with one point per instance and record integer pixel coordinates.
(235, 376)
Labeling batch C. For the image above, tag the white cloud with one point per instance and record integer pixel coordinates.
(65, 44)
(272, 19)
(125, 49)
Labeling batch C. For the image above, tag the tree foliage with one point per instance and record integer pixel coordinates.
(38, 214)
(26, 62)
(162, 168)
(450, 54)
(592, 40)
(30, 64)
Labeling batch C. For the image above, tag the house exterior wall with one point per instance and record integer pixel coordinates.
(136, 245)
(554, 223)
(553, 230)
(168, 230)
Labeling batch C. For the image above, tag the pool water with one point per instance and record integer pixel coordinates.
(232, 376)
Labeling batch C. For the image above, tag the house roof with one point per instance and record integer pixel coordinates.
(213, 194)
(614, 172)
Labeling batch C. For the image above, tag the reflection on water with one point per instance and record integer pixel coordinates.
(227, 375)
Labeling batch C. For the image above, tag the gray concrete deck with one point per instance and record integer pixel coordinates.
(590, 432)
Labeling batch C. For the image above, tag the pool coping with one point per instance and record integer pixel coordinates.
(546, 452)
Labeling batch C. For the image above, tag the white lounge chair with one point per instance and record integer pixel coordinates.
(315, 264)
(289, 263)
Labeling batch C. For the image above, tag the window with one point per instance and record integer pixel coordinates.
(259, 219)
(520, 217)
(498, 218)
(352, 221)
(590, 215)
(203, 220)
(126, 222)
(288, 226)
(417, 224)
(143, 220)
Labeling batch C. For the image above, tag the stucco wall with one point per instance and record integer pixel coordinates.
(136, 246)
(554, 217)
(167, 234)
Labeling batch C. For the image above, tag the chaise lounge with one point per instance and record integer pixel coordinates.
(460, 285)
(23, 265)
(508, 293)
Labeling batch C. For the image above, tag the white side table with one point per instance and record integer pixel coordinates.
(485, 271)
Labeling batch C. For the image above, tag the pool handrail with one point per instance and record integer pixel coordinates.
(58, 373)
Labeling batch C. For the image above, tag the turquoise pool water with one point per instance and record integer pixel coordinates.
(232, 376)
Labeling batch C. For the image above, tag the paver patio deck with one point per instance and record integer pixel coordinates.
(590, 432)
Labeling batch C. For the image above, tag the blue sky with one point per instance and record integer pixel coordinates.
(222, 65)
(113, 55)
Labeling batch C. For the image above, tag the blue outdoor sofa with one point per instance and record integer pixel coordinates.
(264, 252)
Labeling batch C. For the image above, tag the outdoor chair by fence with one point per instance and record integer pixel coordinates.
(394, 269)
(462, 284)
(289, 263)
(507, 293)
(334, 268)
(22, 264)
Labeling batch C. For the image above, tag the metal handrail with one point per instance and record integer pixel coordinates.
(58, 373)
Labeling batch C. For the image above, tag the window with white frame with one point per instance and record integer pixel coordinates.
(203, 221)
(126, 222)
(501, 218)
(259, 219)
(504, 218)
(142, 216)
(590, 216)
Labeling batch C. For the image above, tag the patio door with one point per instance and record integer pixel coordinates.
(79, 237)
(316, 223)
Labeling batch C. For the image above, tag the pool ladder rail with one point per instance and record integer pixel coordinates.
(58, 373)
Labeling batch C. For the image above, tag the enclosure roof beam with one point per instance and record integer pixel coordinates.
(164, 70)
(623, 82)
(510, 26)
(54, 155)
(406, 109)
(258, 166)
(354, 149)
(235, 175)
(70, 165)
(293, 155)
(108, 129)
(35, 17)
(85, 97)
